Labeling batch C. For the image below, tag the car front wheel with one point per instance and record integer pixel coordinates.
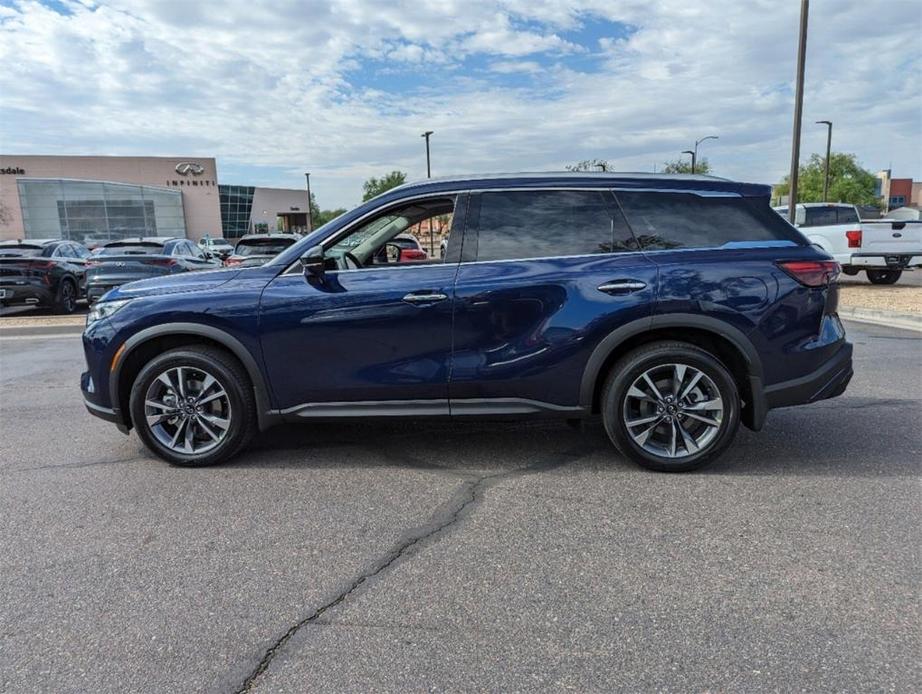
(670, 406)
(193, 406)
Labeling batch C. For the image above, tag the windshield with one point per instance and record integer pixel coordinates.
(262, 247)
(132, 249)
(20, 251)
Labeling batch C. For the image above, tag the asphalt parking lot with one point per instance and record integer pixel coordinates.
(468, 556)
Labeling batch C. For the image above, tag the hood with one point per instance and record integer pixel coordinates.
(172, 284)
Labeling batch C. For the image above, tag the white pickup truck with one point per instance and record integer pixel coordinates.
(883, 248)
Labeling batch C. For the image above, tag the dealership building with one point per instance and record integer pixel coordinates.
(94, 199)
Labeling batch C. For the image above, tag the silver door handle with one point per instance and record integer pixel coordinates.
(428, 298)
(622, 287)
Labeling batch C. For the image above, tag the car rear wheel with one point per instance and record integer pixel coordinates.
(884, 276)
(670, 406)
(193, 406)
(65, 301)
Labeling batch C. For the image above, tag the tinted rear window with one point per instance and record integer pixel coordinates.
(820, 216)
(132, 249)
(540, 224)
(683, 220)
(261, 247)
(847, 215)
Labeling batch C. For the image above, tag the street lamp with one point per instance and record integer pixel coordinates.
(310, 207)
(429, 175)
(692, 154)
(827, 123)
(695, 153)
(428, 167)
(798, 111)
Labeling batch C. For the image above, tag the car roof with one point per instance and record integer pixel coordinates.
(582, 179)
(158, 240)
(32, 242)
(250, 237)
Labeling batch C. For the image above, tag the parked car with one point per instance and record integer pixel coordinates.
(257, 249)
(127, 260)
(673, 307)
(882, 248)
(216, 247)
(402, 248)
(43, 272)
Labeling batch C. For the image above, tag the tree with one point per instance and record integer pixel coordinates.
(324, 216)
(591, 165)
(848, 181)
(683, 166)
(375, 186)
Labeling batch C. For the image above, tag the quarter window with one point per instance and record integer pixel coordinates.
(663, 221)
(539, 224)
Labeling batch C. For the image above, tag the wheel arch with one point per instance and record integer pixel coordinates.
(726, 342)
(140, 347)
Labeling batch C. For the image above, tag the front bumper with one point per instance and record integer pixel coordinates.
(829, 381)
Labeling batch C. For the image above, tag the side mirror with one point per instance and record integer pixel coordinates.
(312, 262)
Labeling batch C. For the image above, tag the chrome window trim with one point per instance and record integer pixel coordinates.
(518, 189)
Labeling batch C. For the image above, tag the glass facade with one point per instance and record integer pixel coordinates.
(236, 206)
(94, 211)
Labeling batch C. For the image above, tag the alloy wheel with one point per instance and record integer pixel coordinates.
(68, 297)
(188, 410)
(673, 410)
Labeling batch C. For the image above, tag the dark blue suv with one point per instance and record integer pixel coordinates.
(673, 306)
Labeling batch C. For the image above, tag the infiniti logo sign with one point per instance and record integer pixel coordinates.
(187, 167)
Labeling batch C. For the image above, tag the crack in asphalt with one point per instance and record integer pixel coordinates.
(89, 463)
(469, 493)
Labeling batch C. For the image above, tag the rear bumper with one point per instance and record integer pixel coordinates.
(896, 261)
(829, 381)
(26, 294)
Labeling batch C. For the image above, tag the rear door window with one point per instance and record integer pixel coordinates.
(542, 224)
(663, 221)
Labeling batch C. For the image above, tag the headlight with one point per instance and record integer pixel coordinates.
(104, 309)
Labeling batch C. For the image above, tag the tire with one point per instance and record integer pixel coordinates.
(702, 441)
(850, 270)
(884, 276)
(221, 426)
(65, 299)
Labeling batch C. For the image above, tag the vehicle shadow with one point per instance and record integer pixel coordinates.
(840, 438)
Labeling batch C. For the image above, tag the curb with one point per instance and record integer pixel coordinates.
(14, 331)
(892, 319)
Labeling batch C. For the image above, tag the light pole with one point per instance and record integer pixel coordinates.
(828, 124)
(695, 153)
(798, 111)
(688, 151)
(310, 207)
(428, 167)
(429, 175)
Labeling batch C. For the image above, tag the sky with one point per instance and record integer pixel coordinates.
(344, 89)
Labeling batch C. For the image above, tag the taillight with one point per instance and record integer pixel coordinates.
(163, 262)
(854, 238)
(91, 264)
(812, 273)
(232, 261)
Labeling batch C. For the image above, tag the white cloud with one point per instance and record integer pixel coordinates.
(292, 86)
